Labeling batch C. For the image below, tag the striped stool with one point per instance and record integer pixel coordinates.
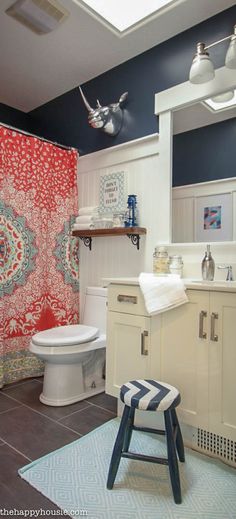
(149, 395)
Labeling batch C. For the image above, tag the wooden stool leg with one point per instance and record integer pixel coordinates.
(179, 439)
(172, 458)
(118, 447)
(129, 429)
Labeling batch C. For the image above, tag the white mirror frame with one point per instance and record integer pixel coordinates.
(168, 101)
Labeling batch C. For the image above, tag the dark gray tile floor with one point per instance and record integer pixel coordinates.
(30, 429)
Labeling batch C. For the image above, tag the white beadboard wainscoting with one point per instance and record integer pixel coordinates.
(117, 256)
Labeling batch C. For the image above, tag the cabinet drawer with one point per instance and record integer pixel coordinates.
(127, 299)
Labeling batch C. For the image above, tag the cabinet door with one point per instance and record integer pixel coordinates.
(128, 350)
(222, 365)
(184, 356)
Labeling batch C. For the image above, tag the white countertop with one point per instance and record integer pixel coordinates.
(195, 284)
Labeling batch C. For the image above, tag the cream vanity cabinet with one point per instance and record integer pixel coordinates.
(132, 338)
(198, 355)
(184, 356)
(192, 347)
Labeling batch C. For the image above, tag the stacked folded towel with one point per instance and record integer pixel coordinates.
(162, 293)
(89, 210)
(85, 218)
(81, 226)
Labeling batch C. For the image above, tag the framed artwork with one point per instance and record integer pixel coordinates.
(112, 197)
(213, 218)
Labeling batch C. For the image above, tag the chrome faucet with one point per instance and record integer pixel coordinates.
(229, 276)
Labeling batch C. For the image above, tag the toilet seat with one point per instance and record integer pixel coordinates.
(65, 335)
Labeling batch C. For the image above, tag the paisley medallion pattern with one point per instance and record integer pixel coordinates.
(67, 255)
(18, 249)
(39, 265)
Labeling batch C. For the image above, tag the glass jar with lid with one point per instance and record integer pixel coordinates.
(176, 265)
(119, 219)
(160, 261)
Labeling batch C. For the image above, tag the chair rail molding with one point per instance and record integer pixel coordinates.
(120, 154)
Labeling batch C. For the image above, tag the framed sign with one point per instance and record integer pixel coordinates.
(112, 192)
(213, 218)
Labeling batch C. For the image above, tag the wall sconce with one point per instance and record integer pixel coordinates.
(202, 69)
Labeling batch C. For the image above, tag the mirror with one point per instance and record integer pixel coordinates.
(204, 175)
(167, 103)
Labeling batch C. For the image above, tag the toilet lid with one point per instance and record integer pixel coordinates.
(66, 335)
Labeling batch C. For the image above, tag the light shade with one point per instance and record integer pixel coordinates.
(230, 58)
(217, 104)
(223, 98)
(202, 69)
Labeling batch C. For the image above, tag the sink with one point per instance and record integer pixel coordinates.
(215, 283)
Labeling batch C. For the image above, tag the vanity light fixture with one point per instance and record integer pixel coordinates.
(221, 102)
(223, 98)
(202, 69)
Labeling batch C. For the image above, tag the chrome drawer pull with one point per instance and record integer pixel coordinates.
(214, 337)
(127, 299)
(202, 334)
(143, 335)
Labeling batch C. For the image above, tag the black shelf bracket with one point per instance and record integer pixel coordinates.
(87, 241)
(134, 239)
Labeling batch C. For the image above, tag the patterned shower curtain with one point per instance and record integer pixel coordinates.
(39, 285)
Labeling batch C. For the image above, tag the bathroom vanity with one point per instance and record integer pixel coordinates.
(192, 347)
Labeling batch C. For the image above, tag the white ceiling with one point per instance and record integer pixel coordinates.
(35, 69)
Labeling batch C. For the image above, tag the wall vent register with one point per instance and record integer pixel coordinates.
(217, 445)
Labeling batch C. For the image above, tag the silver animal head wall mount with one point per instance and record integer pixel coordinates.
(106, 118)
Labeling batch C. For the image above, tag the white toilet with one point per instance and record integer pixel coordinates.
(74, 355)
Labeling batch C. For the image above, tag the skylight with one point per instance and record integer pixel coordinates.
(123, 14)
(217, 107)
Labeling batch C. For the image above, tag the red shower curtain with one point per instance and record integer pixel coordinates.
(39, 285)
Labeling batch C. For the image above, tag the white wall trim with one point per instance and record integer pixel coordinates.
(186, 93)
(222, 185)
(132, 150)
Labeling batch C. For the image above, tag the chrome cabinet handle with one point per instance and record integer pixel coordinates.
(121, 298)
(202, 334)
(214, 337)
(143, 335)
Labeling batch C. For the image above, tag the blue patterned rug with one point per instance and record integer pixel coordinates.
(74, 478)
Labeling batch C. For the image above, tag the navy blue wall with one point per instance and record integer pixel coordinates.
(14, 117)
(207, 153)
(64, 119)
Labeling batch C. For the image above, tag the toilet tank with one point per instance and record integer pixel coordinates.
(95, 308)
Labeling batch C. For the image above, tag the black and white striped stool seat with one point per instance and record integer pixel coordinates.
(149, 395)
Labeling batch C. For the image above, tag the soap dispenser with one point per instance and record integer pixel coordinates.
(208, 266)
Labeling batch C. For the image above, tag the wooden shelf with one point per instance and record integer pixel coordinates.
(133, 233)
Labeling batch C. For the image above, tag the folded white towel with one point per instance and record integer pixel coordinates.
(88, 210)
(82, 226)
(162, 293)
(83, 219)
